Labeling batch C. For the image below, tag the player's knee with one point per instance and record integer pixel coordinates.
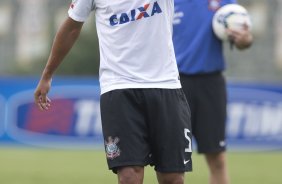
(171, 178)
(130, 175)
(216, 161)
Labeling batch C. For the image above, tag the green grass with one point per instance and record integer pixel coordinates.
(49, 166)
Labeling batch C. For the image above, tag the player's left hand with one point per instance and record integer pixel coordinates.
(241, 38)
(40, 94)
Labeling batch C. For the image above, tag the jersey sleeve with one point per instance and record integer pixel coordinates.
(80, 9)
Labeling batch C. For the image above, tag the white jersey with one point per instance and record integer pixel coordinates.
(135, 40)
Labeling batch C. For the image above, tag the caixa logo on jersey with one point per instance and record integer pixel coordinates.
(255, 116)
(2, 115)
(73, 119)
(145, 11)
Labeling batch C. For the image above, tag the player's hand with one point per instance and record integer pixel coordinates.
(241, 38)
(40, 94)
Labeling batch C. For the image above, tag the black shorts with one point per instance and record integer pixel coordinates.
(147, 126)
(206, 95)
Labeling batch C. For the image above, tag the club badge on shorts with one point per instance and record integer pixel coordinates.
(112, 150)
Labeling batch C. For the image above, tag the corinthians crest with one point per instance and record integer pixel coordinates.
(112, 150)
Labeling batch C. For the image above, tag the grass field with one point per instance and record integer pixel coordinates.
(49, 166)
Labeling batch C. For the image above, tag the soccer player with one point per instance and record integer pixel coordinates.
(199, 55)
(145, 115)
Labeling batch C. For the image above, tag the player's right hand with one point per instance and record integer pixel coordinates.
(241, 38)
(40, 94)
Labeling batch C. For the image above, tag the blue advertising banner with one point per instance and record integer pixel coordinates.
(254, 117)
(2, 115)
(254, 114)
(73, 121)
(74, 117)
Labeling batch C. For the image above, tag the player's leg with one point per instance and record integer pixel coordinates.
(170, 178)
(125, 134)
(210, 125)
(218, 168)
(130, 175)
(170, 134)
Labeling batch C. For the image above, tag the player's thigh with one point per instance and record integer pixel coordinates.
(124, 129)
(130, 174)
(170, 130)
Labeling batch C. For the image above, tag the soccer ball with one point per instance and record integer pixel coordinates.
(232, 16)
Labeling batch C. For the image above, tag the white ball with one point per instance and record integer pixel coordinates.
(231, 16)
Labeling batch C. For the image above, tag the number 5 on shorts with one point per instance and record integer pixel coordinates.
(186, 131)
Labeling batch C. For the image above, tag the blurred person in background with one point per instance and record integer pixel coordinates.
(145, 115)
(199, 55)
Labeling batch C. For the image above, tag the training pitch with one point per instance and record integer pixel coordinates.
(51, 166)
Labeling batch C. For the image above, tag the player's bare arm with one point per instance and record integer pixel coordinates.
(63, 42)
(241, 38)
